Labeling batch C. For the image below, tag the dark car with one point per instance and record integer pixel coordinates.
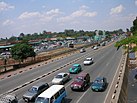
(99, 84)
(81, 81)
(34, 91)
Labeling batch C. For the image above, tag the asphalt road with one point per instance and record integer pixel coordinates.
(132, 86)
(106, 61)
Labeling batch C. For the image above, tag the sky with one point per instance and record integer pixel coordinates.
(35, 16)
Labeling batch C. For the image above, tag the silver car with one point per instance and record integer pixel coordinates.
(9, 98)
(34, 91)
(61, 78)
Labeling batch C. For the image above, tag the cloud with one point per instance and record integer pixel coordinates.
(84, 7)
(53, 11)
(76, 14)
(27, 15)
(136, 2)
(8, 22)
(31, 15)
(117, 10)
(4, 6)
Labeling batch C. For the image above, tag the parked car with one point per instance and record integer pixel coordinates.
(5, 54)
(76, 68)
(9, 98)
(81, 81)
(34, 91)
(88, 61)
(61, 78)
(82, 50)
(99, 84)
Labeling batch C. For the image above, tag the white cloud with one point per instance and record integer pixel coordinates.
(77, 14)
(44, 15)
(117, 9)
(27, 15)
(136, 2)
(8, 22)
(84, 7)
(54, 12)
(4, 6)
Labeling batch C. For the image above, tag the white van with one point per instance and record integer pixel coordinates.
(54, 94)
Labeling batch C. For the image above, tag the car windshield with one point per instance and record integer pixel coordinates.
(98, 81)
(42, 100)
(33, 90)
(88, 59)
(74, 67)
(78, 79)
(59, 76)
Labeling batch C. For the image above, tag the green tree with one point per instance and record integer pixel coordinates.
(131, 39)
(22, 51)
(134, 27)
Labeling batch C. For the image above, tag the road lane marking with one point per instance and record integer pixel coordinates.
(113, 80)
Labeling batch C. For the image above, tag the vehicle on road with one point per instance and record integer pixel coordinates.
(54, 94)
(80, 82)
(76, 68)
(8, 98)
(82, 50)
(99, 84)
(34, 91)
(88, 61)
(95, 47)
(61, 78)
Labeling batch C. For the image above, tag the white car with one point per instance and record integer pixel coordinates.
(95, 48)
(61, 78)
(88, 61)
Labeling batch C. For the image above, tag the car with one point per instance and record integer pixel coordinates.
(103, 44)
(88, 61)
(95, 47)
(81, 81)
(5, 54)
(99, 84)
(9, 98)
(76, 68)
(82, 50)
(61, 78)
(34, 91)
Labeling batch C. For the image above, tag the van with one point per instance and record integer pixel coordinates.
(81, 81)
(54, 94)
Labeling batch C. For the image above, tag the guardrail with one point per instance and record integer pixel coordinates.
(118, 89)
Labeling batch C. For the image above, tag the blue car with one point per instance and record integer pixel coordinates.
(76, 68)
(99, 84)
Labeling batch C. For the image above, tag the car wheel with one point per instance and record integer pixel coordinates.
(83, 88)
(62, 82)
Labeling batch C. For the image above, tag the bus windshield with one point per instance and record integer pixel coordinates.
(42, 100)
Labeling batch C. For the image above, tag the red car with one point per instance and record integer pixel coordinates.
(81, 81)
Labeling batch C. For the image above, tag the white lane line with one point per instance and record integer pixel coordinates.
(112, 81)
(81, 96)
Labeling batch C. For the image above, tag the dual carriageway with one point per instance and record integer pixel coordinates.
(106, 63)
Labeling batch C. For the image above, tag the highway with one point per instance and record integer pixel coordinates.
(106, 61)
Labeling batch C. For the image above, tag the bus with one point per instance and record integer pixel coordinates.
(54, 94)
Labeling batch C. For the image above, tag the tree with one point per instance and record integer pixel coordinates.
(22, 51)
(130, 39)
(134, 27)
